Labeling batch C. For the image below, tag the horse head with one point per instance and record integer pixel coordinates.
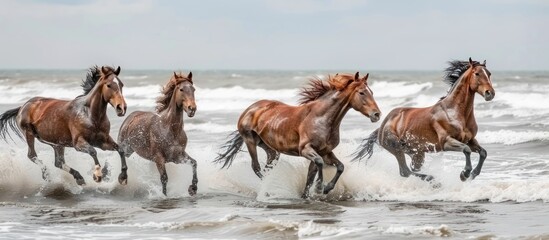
(111, 90)
(184, 93)
(479, 80)
(362, 98)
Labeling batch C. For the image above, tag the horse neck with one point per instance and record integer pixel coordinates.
(461, 98)
(173, 115)
(96, 104)
(333, 106)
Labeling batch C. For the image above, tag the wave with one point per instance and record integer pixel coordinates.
(509, 137)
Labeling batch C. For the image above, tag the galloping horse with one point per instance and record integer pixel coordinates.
(449, 125)
(81, 123)
(160, 136)
(310, 130)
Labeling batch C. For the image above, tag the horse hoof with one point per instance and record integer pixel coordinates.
(463, 177)
(97, 179)
(123, 181)
(192, 190)
(45, 174)
(80, 182)
(428, 178)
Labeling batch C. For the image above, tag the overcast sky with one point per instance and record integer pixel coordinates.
(273, 34)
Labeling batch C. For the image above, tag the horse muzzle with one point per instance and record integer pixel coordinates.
(121, 110)
(191, 111)
(375, 116)
(489, 95)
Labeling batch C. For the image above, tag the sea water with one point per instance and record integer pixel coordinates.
(508, 200)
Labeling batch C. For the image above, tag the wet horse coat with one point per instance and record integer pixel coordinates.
(448, 125)
(81, 123)
(310, 130)
(159, 136)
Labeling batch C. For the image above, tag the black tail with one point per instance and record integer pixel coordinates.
(366, 148)
(232, 147)
(7, 120)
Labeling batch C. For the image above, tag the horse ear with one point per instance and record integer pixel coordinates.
(366, 77)
(357, 76)
(174, 74)
(190, 76)
(117, 71)
(484, 63)
(104, 70)
(470, 61)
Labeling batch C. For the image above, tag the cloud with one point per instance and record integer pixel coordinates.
(60, 9)
(313, 6)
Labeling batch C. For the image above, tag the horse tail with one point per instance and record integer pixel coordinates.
(232, 147)
(366, 148)
(8, 120)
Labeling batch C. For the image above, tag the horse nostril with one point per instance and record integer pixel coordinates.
(376, 114)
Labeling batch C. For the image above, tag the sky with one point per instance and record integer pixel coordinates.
(273, 34)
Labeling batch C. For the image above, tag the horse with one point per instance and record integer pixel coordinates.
(159, 136)
(448, 125)
(81, 123)
(310, 130)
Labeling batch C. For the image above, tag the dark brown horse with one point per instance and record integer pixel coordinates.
(81, 123)
(160, 136)
(310, 130)
(449, 125)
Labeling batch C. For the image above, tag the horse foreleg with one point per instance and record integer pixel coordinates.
(193, 187)
(475, 147)
(309, 153)
(417, 161)
(161, 166)
(453, 144)
(60, 163)
(110, 145)
(310, 178)
(82, 145)
(332, 159)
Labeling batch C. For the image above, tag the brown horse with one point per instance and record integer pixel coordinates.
(449, 125)
(160, 136)
(81, 123)
(310, 130)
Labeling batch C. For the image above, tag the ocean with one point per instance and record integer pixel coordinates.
(509, 200)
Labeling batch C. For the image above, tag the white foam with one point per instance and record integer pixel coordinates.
(509, 137)
(440, 231)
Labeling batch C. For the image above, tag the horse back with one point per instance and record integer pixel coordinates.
(46, 119)
(411, 125)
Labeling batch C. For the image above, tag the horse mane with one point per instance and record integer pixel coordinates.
(317, 87)
(454, 72)
(163, 101)
(92, 77)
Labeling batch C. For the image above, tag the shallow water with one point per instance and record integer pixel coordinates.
(507, 201)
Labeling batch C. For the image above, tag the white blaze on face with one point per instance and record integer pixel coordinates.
(116, 81)
(487, 77)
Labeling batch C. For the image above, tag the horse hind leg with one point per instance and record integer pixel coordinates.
(395, 147)
(417, 161)
(251, 140)
(60, 163)
(272, 155)
(31, 154)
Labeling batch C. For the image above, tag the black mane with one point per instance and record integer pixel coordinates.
(453, 72)
(93, 76)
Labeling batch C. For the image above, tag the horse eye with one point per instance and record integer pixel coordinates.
(361, 93)
(181, 89)
(476, 74)
(109, 85)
